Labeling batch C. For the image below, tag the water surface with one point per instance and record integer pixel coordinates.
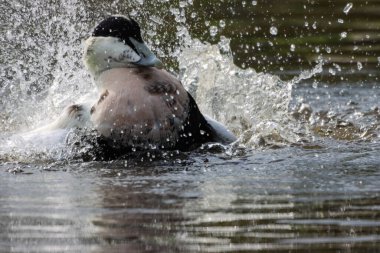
(304, 176)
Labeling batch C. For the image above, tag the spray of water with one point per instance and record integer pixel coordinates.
(40, 61)
(43, 73)
(253, 105)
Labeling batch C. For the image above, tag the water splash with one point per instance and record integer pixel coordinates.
(43, 73)
(40, 61)
(255, 106)
(41, 147)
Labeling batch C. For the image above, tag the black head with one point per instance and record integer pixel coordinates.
(116, 42)
(119, 27)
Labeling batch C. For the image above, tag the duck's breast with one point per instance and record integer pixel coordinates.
(140, 104)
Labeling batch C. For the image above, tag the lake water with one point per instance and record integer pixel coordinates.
(296, 81)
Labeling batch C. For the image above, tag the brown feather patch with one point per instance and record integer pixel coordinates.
(103, 96)
(160, 87)
(74, 108)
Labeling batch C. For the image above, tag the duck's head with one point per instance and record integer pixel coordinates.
(116, 42)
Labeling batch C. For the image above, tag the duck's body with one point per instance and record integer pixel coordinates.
(143, 102)
(147, 106)
(139, 104)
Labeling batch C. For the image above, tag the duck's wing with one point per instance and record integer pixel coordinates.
(73, 116)
(198, 129)
(55, 133)
(221, 133)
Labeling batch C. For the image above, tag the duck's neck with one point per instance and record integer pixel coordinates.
(104, 53)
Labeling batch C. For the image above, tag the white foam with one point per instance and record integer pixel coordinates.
(252, 105)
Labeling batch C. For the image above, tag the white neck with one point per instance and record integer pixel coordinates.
(103, 53)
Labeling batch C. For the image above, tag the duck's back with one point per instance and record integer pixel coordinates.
(141, 106)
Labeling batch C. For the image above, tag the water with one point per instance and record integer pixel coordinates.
(303, 177)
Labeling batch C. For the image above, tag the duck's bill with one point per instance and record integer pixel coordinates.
(150, 61)
(148, 58)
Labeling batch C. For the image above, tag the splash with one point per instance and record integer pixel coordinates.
(43, 73)
(255, 106)
(27, 147)
(41, 61)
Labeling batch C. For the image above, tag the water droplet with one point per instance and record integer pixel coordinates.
(360, 65)
(292, 47)
(338, 68)
(343, 35)
(213, 31)
(314, 25)
(222, 23)
(328, 50)
(332, 71)
(254, 3)
(340, 21)
(273, 30)
(182, 4)
(347, 8)
(202, 132)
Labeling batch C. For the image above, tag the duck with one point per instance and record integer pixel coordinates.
(139, 103)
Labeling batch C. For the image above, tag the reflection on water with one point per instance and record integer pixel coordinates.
(272, 200)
